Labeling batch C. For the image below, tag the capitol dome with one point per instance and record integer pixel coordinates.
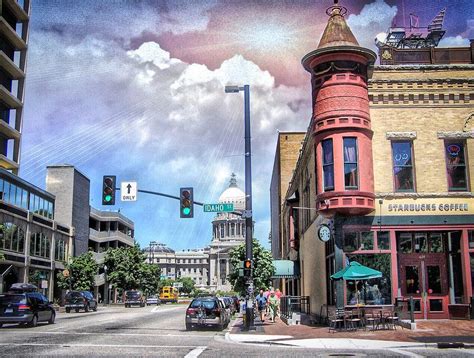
(233, 194)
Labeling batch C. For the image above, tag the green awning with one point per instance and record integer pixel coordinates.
(284, 269)
(355, 272)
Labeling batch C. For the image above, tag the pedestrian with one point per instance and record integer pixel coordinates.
(278, 295)
(261, 301)
(99, 297)
(272, 305)
(267, 294)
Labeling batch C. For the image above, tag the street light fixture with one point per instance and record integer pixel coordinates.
(249, 324)
(106, 291)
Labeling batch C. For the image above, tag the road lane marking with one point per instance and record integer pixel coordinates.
(72, 345)
(108, 334)
(158, 309)
(405, 353)
(196, 352)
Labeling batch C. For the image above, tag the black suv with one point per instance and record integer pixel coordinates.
(25, 306)
(134, 298)
(80, 300)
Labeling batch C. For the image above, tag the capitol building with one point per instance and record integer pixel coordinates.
(209, 267)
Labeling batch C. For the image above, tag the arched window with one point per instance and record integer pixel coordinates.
(12, 237)
(222, 231)
(39, 245)
(232, 229)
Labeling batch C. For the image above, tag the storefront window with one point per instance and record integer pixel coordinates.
(436, 242)
(405, 243)
(413, 285)
(471, 239)
(383, 240)
(421, 244)
(402, 166)
(367, 240)
(373, 291)
(350, 241)
(456, 166)
(328, 165)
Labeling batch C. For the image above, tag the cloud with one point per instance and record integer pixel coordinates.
(454, 41)
(374, 18)
(144, 115)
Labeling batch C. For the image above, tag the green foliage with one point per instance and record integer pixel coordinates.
(188, 285)
(82, 270)
(263, 267)
(2, 256)
(166, 282)
(127, 270)
(199, 292)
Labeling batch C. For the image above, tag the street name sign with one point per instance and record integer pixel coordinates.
(128, 191)
(218, 208)
(178, 285)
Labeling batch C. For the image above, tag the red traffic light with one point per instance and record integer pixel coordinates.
(247, 264)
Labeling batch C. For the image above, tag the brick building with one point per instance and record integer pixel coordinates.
(386, 165)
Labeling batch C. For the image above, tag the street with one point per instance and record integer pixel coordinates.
(153, 331)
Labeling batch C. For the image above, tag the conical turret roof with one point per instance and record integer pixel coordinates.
(337, 32)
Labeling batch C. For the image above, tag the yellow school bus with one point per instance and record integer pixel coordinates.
(169, 294)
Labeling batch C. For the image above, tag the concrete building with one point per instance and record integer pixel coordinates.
(14, 29)
(34, 244)
(386, 166)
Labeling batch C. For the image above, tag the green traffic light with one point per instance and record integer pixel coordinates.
(186, 211)
(108, 198)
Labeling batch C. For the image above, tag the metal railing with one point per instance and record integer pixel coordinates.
(294, 304)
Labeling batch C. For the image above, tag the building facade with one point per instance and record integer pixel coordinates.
(14, 29)
(387, 163)
(35, 246)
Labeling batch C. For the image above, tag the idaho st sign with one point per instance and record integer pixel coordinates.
(218, 208)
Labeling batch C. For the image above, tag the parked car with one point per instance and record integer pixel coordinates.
(25, 306)
(80, 300)
(206, 311)
(153, 300)
(134, 298)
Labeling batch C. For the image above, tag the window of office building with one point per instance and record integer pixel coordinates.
(351, 176)
(12, 237)
(328, 165)
(456, 165)
(60, 250)
(39, 245)
(402, 158)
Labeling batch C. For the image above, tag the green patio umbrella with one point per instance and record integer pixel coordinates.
(356, 272)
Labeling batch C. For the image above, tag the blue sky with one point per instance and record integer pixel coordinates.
(136, 89)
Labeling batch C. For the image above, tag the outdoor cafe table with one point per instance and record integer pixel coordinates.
(372, 308)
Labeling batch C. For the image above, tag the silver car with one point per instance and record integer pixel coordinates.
(206, 311)
(153, 300)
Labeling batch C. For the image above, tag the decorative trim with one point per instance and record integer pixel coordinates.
(455, 135)
(467, 121)
(395, 68)
(457, 194)
(400, 135)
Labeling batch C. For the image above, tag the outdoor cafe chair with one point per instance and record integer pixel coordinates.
(353, 319)
(391, 319)
(336, 320)
(371, 318)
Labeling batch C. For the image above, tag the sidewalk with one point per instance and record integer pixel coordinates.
(427, 334)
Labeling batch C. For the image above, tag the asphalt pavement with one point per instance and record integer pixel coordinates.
(115, 331)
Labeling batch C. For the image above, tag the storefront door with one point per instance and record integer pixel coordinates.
(424, 276)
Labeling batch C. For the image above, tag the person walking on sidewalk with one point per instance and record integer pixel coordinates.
(261, 304)
(272, 305)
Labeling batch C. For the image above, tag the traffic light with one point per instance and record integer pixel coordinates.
(108, 190)
(186, 203)
(247, 268)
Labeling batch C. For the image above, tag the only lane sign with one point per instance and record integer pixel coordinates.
(128, 191)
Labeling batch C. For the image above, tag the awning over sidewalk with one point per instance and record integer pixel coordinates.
(284, 269)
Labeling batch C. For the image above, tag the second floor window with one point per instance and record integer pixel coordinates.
(351, 176)
(402, 157)
(456, 166)
(328, 165)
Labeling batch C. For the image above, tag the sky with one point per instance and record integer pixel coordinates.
(136, 89)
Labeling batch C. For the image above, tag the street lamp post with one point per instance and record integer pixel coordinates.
(106, 291)
(249, 324)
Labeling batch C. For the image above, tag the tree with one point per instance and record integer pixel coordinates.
(81, 273)
(149, 278)
(188, 284)
(2, 256)
(127, 269)
(263, 267)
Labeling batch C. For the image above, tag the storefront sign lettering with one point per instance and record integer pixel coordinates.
(428, 207)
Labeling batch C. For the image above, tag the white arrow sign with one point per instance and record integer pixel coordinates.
(128, 191)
